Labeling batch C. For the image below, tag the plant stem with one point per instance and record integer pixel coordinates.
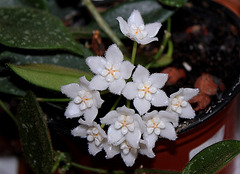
(134, 51)
(8, 112)
(167, 35)
(116, 103)
(53, 99)
(103, 25)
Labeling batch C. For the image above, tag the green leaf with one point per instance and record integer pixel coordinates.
(174, 3)
(29, 28)
(48, 76)
(8, 87)
(34, 135)
(39, 4)
(213, 158)
(155, 12)
(164, 60)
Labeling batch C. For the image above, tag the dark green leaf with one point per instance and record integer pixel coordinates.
(213, 158)
(34, 29)
(174, 3)
(9, 88)
(34, 135)
(39, 4)
(49, 76)
(151, 11)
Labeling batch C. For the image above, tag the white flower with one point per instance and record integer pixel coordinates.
(111, 71)
(179, 104)
(95, 135)
(135, 29)
(124, 125)
(145, 90)
(128, 153)
(85, 101)
(159, 124)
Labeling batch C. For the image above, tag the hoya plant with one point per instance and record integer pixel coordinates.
(115, 100)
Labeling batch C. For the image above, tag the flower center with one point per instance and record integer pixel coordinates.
(94, 135)
(125, 123)
(177, 103)
(139, 32)
(111, 72)
(155, 125)
(84, 99)
(146, 90)
(125, 148)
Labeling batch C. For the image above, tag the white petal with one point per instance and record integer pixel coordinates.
(124, 130)
(189, 93)
(89, 103)
(150, 130)
(111, 150)
(159, 99)
(96, 64)
(133, 138)
(157, 131)
(73, 110)
(97, 99)
(115, 136)
(152, 28)
(188, 112)
(141, 105)
(80, 131)
(140, 74)
(126, 69)
(117, 86)
(146, 40)
(114, 55)
(93, 149)
(135, 18)
(184, 103)
(169, 117)
(110, 118)
(71, 90)
(82, 106)
(98, 82)
(84, 83)
(131, 127)
(90, 114)
(141, 94)
(150, 139)
(148, 96)
(123, 25)
(117, 125)
(169, 132)
(109, 78)
(125, 111)
(158, 79)
(130, 158)
(144, 150)
(152, 89)
(90, 138)
(179, 110)
(130, 91)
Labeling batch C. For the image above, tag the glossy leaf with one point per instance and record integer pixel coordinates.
(151, 11)
(34, 135)
(213, 158)
(174, 3)
(8, 87)
(29, 28)
(39, 4)
(49, 76)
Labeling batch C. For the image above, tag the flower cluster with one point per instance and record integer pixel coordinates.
(126, 130)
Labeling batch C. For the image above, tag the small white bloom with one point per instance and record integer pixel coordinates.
(111, 71)
(145, 90)
(135, 29)
(159, 124)
(179, 104)
(124, 125)
(128, 153)
(84, 101)
(95, 135)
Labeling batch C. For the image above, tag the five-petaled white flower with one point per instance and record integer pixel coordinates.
(145, 90)
(179, 104)
(124, 125)
(95, 135)
(85, 101)
(128, 153)
(159, 124)
(110, 72)
(135, 29)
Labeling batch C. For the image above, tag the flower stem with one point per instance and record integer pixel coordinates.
(116, 103)
(8, 112)
(134, 51)
(103, 25)
(167, 35)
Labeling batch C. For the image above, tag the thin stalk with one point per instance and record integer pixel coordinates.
(116, 103)
(134, 51)
(103, 25)
(8, 112)
(53, 99)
